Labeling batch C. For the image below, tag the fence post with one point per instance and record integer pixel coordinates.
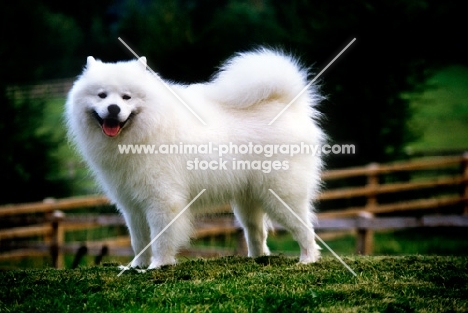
(365, 236)
(465, 181)
(241, 245)
(372, 184)
(56, 245)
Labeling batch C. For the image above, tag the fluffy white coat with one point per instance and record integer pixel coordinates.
(123, 103)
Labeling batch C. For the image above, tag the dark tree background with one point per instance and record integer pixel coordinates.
(398, 44)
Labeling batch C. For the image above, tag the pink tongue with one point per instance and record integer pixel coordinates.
(111, 129)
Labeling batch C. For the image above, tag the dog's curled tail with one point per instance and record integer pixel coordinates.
(262, 75)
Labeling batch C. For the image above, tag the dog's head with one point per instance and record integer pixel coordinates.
(109, 95)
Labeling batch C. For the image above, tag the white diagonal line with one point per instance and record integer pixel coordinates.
(162, 231)
(308, 228)
(311, 82)
(164, 84)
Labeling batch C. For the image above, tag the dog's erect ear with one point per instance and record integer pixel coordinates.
(142, 61)
(90, 61)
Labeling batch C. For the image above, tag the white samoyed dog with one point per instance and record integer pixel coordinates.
(236, 154)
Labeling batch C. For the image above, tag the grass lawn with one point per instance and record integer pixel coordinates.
(236, 284)
(450, 241)
(425, 241)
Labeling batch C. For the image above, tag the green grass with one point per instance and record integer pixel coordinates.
(425, 241)
(235, 284)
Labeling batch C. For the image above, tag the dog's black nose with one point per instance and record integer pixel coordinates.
(113, 109)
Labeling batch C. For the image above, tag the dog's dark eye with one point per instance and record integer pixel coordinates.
(126, 97)
(102, 95)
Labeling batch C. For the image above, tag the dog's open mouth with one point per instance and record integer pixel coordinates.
(110, 126)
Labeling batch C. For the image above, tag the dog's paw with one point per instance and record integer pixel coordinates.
(127, 268)
(123, 268)
(157, 263)
(310, 255)
(140, 270)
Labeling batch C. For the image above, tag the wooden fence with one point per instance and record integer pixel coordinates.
(47, 221)
(58, 88)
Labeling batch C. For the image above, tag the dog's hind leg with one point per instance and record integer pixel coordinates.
(299, 223)
(252, 219)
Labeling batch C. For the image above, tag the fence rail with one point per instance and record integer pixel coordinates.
(58, 88)
(364, 219)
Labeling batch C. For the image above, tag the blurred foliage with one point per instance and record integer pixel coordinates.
(398, 44)
(28, 165)
(30, 43)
